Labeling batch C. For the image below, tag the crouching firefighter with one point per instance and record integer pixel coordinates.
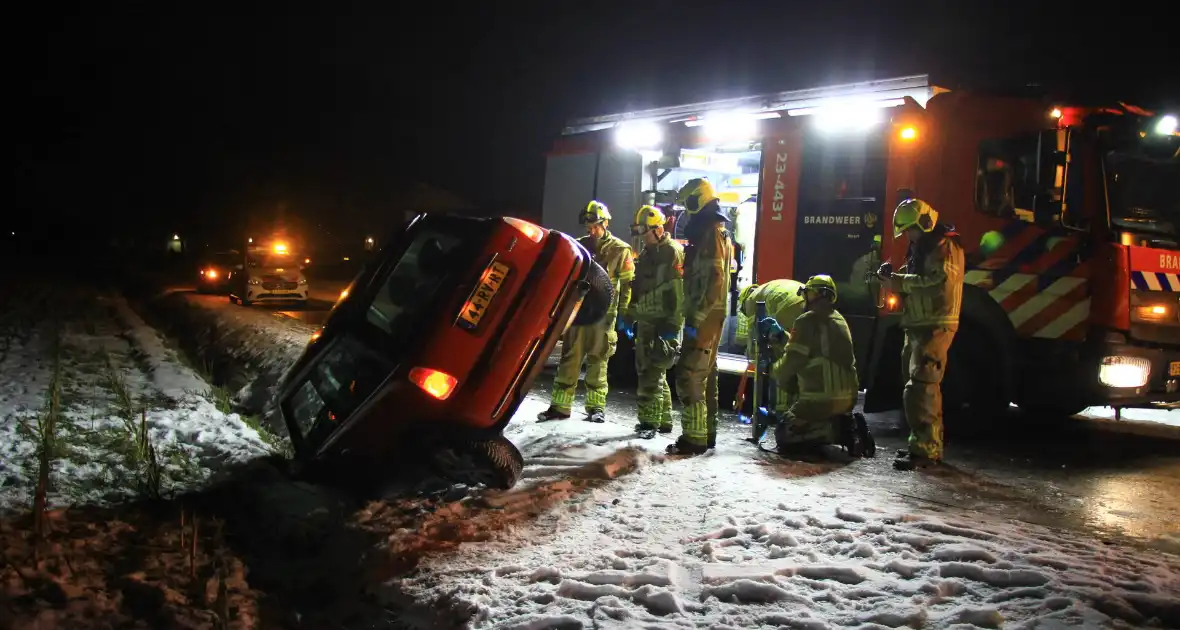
(593, 344)
(655, 319)
(819, 354)
(784, 303)
(707, 262)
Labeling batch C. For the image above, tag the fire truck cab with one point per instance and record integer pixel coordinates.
(1068, 214)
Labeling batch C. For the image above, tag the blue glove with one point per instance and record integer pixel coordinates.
(625, 329)
(690, 332)
(769, 327)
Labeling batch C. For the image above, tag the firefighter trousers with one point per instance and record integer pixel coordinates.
(813, 422)
(594, 345)
(924, 359)
(696, 381)
(654, 356)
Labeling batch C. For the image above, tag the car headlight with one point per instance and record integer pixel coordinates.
(254, 281)
(303, 281)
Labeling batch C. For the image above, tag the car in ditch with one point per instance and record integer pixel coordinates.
(431, 349)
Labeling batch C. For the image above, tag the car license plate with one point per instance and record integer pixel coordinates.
(1174, 368)
(477, 305)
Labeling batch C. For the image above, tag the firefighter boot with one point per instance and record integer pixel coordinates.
(646, 431)
(596, 415)
(552, 413)
(684, 447)
(913, 461)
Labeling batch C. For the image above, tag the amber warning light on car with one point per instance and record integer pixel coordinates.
(438, 384)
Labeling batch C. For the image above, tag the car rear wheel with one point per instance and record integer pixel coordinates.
(597, 299)
(495, 463)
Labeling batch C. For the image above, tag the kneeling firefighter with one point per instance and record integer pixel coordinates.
(657, 318)
(593, 344)
(707, 262)
(819, 353)
(784, 303)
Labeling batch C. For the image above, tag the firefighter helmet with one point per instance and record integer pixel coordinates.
(822, 284)
(745, 295)
(696, 194)
(648, 217)
(595, 212)
(913, 213)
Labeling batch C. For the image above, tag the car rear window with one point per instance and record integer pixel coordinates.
(430, 260)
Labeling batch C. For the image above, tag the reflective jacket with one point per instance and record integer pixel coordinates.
(614, 255)
(821, 356)
(658, 290)
(706, 267)
(931, 283)
(783, 303)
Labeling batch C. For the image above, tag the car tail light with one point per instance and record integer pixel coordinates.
(212, 273)
(438, 384)
(531, 231)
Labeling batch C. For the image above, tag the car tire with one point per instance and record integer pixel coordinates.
(495, 463)
(597, 299)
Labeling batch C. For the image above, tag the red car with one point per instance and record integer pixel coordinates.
(434, 345)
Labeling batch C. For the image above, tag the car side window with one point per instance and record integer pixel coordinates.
(1006, 176)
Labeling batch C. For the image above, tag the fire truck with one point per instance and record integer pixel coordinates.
(1069, 213)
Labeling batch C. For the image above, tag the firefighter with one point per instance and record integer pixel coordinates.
(931, 288)
(784, 303)
(657, 314)
(707, 261)
(593, 344)
(819, 356)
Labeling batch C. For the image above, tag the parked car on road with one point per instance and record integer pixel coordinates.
(434, 345)
(214, 271)
(269, 274)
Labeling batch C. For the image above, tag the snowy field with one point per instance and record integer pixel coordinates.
(116, 376)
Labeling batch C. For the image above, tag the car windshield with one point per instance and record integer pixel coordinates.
(1144, 192)
(338, 383)
(416, 280)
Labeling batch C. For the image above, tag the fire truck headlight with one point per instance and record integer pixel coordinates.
(1166, 126)
(1124, 372)
(639, 135)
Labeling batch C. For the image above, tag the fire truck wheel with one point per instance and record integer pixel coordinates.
(597, 299)
(495, 463)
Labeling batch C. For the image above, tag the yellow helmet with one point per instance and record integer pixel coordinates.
(648, 217)
(696, 194)
(745, 295)
(821, 283)
(913, 213)
(595, 212)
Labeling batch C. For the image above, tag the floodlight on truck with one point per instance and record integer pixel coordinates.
(638, 135)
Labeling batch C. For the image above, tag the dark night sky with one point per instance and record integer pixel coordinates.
(197, 115)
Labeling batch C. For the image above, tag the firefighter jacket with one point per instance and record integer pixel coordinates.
(658, 290)
(820, 355)
(614, 255)
(707, 263)
(783, 303)
(931, 283)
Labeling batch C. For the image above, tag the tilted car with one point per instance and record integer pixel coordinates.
(435, 344)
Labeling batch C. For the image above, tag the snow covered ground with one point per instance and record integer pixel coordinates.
(116, 372)
(607, 533)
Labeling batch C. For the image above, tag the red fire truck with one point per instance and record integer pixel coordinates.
(1069, 213)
